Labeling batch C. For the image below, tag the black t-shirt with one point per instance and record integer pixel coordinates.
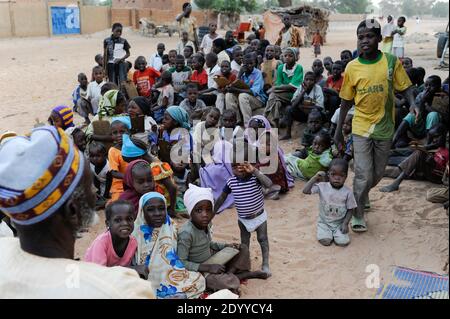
(110, 43)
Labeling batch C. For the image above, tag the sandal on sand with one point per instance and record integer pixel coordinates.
(358, 224)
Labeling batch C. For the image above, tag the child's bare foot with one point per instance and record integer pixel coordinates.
(261, 274)
(389, 188)
(326, 241)
(266, 270)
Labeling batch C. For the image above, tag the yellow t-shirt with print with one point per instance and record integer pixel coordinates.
(372, 84)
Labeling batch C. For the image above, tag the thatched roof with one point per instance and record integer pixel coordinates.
(312, 18)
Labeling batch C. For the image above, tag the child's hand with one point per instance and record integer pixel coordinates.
(234, 245)
(320, 176)
(248, 168)
(344, 228)
(216, 269)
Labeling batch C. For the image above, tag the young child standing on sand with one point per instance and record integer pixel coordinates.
(336, 203)
(116, 51)
(317, 42)
(246, 185)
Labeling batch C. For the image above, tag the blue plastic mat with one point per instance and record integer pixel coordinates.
(414, 284)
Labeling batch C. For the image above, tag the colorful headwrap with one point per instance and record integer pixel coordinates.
(38, 173)
(157, 249)
(130, 193)
(65, 113)
(129, 149)
(107, 104)
(179, 115)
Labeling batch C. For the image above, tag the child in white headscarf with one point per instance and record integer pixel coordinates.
(197, 251)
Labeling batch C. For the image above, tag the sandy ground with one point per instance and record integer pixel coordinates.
(404, 229)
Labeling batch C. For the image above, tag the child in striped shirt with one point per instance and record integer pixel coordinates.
(246, 185)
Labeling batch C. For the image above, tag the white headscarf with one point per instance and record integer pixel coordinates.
(196, 194)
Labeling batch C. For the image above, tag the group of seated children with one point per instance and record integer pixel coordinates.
(173, 150)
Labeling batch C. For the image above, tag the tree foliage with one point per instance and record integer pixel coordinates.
(352, 6)
(228, 6)
(440, 9)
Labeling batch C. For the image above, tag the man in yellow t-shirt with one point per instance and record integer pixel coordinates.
(369, 83)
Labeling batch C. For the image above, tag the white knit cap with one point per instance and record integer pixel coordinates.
(195, 194)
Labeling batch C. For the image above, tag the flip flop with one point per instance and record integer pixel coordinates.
(358, 225)
(367, 206)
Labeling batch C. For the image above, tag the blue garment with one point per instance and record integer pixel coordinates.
(129, 149)
(158, 115)
(256, 83)
(76, 95)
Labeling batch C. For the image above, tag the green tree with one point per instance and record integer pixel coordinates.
(390, 7)
(228, 6)
(440, 9)
(204, 4)
(352, 6)
(411, 8)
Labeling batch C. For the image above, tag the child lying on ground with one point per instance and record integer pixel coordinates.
(195, 246)
(337, 203)
(116, 246)
(318, 158)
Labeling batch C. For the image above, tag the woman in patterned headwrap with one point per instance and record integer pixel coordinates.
(289, 78)
(157, 249)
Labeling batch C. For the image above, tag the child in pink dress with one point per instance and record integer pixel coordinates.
(116, 246)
